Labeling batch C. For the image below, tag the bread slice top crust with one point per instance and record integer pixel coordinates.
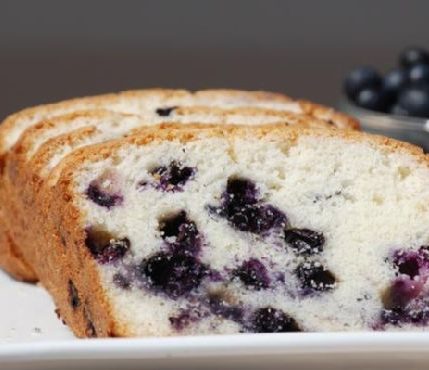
(140, 101)
(37, 135)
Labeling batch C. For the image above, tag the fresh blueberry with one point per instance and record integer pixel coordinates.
(173, 177)
(173, 274)
(395, 80)
(361, 78)
(253, 273)
(304, 241)
(419, 73)
(373, 98)
(415, 100)
(73, 295)
(104, 247)
(101, 197)
(165, 112)
(412, 56)
(315, 277)
(181, 234)
(272, 320)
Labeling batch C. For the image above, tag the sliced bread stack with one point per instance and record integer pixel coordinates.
(78, 122)
(224, 218)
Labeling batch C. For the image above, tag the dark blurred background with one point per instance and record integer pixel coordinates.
(51, 49)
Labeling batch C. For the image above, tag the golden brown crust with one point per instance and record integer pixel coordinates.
(185, 134)
(283, 116)
(102, 101)
(337, 119)
(25, 144)
(11, 260)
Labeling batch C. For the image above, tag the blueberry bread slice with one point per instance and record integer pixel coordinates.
(42, 147)
(235, 229)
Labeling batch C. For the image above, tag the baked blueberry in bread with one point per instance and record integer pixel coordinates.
(190, 230)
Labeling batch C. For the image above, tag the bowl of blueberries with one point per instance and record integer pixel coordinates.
(395, 104)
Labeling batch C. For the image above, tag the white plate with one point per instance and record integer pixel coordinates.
(31, 337)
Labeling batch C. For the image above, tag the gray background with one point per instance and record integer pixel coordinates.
(50, 50)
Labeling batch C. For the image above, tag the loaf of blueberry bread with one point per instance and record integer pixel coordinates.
(185, 230)
(42, 146)
(154, 106)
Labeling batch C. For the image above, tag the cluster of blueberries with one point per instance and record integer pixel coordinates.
(177, 270)
(402, 91)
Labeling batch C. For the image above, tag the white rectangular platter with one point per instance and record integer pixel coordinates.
(32, 337)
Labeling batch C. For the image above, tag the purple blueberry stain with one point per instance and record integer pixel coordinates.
(215, 276)
(186, 317)
(173, 274)
(253, 274)
(121, 281)
(244, 211)
(314, 277)
(304, 242)
(401, 292)
(104, 247)
(416, 313)
(219, 307)
(103, 197)
(213, 304)
(272, 320)
(173, 177)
